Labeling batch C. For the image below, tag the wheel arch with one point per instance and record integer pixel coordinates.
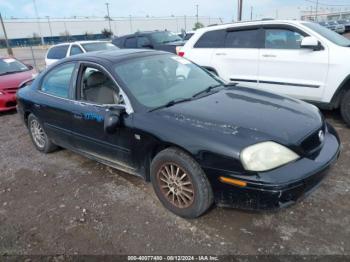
(157, 148)
(26, 116)
(341, 90)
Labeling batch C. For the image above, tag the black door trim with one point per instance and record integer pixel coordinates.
(273, 83)
(243, 80)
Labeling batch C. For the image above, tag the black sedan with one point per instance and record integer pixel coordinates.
(195, 137)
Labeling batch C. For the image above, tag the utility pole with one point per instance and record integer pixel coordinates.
(109, 18)
(38, 21)
(48, 20)
(197, 6)
(9, 49)
(251, 13)
(239, 10)
(316, 14)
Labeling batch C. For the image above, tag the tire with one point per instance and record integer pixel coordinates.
(345, 108)
(43, 144)
(189, 176)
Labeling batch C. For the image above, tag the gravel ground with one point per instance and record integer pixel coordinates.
(62, 203)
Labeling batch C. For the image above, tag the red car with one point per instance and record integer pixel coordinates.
(13, 75)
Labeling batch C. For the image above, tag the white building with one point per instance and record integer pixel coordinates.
(46, 27)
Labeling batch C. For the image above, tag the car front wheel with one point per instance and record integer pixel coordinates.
(180, 183)
(345, 108)
(38, 135)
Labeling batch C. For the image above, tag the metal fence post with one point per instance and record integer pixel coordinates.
(33, 57)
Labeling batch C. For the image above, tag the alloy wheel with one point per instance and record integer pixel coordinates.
(37, 133)
(176, 185)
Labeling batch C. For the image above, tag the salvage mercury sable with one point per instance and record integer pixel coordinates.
(196, 138)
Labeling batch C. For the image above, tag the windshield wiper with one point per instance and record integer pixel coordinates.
(207, 90)
(171, 103)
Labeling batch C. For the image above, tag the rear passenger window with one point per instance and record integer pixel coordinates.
(282, 39)
(57, 81)
(143, 41)
(57, 52)
(130, 42)
(242, 39)
(211, 39)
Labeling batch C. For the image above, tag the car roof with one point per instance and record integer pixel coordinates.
(252, 23)
(81, 42)
(113, 56)
(142, 33)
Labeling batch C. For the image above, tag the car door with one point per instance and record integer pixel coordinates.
(96, 95)
(55, 101)
(238, 59)
(203, 49)
(287, 68)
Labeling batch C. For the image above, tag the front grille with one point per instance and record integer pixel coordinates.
(313, 142)
(10, 90)
(11, 104)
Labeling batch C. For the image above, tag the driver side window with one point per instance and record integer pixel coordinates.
(97, 87)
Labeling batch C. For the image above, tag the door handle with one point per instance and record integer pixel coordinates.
(267, 55)
(37, 106)
(220, 54)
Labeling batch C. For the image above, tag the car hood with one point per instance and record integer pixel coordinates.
(246, 115)
(16, 79)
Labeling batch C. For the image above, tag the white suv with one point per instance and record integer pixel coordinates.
(63, 50)
(296, 58)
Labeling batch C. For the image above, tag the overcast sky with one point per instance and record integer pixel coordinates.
(225, 9)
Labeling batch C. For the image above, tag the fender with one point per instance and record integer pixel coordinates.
(343, 87)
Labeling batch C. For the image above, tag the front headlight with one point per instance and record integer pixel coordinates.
(266, 156)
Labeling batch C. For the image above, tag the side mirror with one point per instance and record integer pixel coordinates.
(113, 120)
(311, 42)
(30, 67)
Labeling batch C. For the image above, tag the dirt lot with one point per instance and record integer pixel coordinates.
(65, 203)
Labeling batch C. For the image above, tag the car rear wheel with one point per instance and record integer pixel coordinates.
(180, 183)
(38, 135)
(345, 108)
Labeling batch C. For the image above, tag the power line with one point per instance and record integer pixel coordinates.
(325, 4)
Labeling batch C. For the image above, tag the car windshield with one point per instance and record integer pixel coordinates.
(155, 81)
(98, 46)
(165, 37)
(329, 34)
(188, 36)
(10, 66)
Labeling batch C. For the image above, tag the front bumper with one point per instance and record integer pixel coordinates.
(7, 102)
(280, 187)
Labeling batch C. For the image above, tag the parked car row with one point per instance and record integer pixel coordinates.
(341, 26)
